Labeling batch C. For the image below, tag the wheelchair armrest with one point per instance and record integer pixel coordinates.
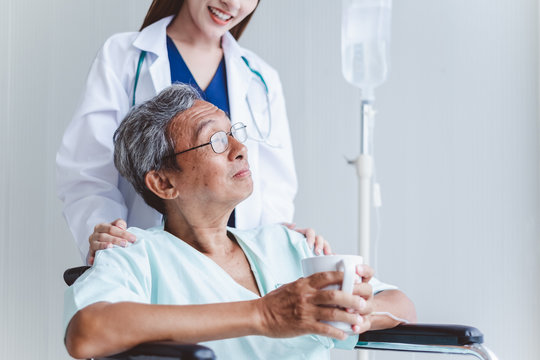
(165, 351)
(70, 275)
(425, 334)
(154, 350)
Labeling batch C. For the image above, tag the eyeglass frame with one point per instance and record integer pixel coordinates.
(229, 133)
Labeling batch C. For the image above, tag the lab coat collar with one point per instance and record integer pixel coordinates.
(153, 40)
(147, 39)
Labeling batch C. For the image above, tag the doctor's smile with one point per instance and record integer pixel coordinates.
(219, 16)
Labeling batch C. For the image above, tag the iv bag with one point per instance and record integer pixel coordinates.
(365, 43)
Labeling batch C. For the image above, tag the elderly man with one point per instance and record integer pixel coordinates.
(197, 281)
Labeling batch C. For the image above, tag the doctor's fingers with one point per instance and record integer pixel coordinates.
(117, 229)
(100, 241)
(95, 246)
(317, 242)
(314, 241)
(289, 226)
(322, 246)
(120, 223)
(311, 237)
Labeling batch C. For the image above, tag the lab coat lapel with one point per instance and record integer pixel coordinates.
(153, 40)
(238, 77)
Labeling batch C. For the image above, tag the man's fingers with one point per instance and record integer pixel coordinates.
(364, 290)
(323, 279)
(340, 315)
(323, 329)
(365, 272)
(335, 297)
(364, 326)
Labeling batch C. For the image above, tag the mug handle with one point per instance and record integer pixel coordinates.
(349, 271)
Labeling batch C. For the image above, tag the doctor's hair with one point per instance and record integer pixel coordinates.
(160, 9)
(142, 142)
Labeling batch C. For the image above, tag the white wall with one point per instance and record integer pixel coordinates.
(457, 153)
(457, 140)
(47, 48)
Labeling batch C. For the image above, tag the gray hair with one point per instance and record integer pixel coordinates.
(142, 142)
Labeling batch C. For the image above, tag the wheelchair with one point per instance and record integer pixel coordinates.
(423, 338)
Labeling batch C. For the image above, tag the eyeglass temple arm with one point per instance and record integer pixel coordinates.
(193, 148)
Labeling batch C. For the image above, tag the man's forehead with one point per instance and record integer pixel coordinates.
(192, 120)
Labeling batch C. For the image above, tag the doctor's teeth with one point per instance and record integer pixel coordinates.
(219, 14)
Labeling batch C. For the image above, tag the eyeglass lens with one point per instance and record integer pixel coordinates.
(220, 142)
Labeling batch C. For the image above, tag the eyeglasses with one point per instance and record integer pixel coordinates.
(220, 140)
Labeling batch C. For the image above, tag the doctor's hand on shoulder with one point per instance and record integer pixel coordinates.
(316, 242)
(106, 235)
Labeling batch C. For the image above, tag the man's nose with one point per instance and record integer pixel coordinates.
(237, 150)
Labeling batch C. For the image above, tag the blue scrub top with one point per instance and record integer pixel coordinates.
(216, 92)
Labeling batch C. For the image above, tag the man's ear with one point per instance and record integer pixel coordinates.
(158, 183)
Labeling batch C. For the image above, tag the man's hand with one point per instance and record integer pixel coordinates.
(314, 241)
(297, 308)
(105, 235)
(365, 291)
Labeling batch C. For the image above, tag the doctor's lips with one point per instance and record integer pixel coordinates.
(219, 16)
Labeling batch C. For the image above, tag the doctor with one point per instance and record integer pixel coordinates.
(189, 41)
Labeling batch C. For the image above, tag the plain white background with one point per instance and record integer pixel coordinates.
(457, 155)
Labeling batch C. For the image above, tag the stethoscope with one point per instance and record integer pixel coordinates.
(262, 136)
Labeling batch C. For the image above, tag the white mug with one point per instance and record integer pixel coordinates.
(344, 263)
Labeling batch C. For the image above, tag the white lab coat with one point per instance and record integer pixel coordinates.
(87, 180)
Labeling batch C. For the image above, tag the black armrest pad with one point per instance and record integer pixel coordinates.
(166, 350)
(70, 275)
(425, 334)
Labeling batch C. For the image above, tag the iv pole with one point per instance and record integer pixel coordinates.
(365, 41)
(364, 171)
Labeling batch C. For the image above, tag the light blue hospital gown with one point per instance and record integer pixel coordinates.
(161, 269)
